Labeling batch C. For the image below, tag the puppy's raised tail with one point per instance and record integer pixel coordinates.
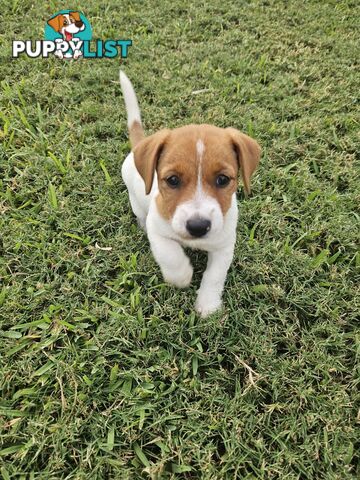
(136, 132)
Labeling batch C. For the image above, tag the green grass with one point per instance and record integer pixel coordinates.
(105, 372)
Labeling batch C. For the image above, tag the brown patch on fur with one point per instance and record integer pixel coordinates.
(248, 153)
(146, 156)
(219, 159)
(174, 152)
(180, 157)
(136, 133)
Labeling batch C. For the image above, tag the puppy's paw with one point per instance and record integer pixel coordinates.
(181, 278)
(207, 303)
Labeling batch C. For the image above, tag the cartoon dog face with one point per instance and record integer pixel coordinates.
(67, 24)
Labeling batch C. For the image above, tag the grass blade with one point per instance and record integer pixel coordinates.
(106, 173)
(53, 197)
(141, 455)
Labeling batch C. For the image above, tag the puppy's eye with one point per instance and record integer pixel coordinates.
(173, 181)
(66, 22)
(222, 181)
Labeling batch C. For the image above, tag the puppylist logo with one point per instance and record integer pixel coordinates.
(68, 35)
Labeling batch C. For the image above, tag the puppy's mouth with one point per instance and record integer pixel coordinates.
(187, 236)
(68, 36)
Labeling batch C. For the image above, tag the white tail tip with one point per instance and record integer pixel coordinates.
(131, 103)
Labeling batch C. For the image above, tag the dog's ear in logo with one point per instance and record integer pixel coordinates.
(56, 23)
(76, 17)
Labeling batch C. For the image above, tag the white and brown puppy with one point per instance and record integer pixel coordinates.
(182, 187)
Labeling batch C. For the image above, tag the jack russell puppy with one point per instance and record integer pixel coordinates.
(182, 187)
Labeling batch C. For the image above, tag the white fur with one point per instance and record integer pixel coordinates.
(131, 103)
(200, 149)
(167, 237)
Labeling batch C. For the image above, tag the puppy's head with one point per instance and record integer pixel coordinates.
(197, 168)
(67, 24)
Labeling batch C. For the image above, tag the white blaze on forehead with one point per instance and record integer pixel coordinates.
(200, 149)
(201, 205)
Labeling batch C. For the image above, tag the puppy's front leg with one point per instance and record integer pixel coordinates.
(213, 280)
(175, 265)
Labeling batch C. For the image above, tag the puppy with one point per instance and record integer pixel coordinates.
(67, 25)
(182, 188)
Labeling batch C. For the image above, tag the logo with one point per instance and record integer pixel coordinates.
(68, 30)
(68, 35)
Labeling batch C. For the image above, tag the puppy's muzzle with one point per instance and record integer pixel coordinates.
(198, 227)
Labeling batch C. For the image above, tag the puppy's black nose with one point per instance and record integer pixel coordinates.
(198, 227)
(79, 23)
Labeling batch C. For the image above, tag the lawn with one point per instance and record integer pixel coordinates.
(105, 371)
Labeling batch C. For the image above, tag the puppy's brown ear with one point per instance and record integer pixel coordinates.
(146, 155)
(248, 155)
(55, 22)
